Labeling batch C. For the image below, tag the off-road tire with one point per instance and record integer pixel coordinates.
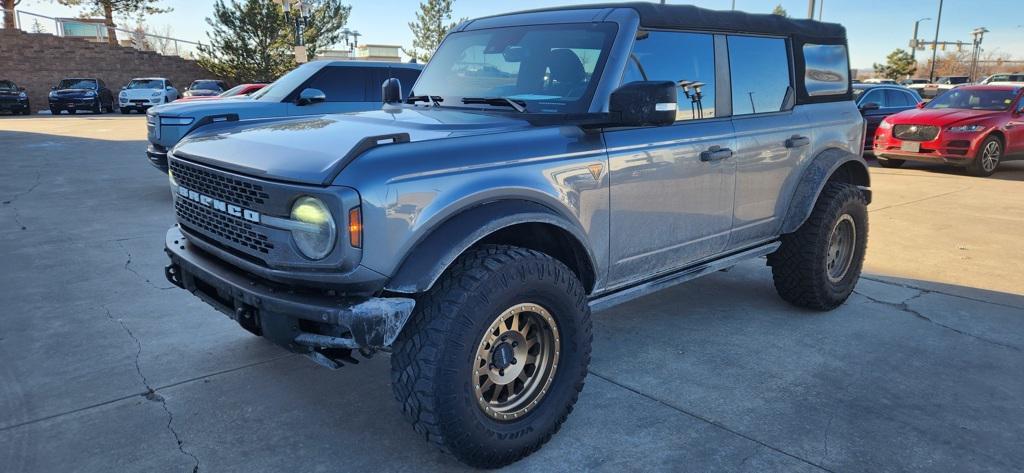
(976, 167)
(890, 163)
(432, 360)
(799, 266)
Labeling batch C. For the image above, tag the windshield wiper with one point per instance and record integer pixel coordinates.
(519, 105)
(434, 100)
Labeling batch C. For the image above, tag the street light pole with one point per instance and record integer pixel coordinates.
(810, 9)
(913, 49)
(935, 45)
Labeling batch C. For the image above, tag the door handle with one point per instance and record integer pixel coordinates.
(797, 141)
(715, 153)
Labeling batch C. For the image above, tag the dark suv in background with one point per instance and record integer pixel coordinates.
(81, 94)
(13, 98)
(877, 101)
(205, 88)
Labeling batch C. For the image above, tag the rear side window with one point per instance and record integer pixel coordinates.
(876, 96)
(898, 98)
(687, 58)
(759, 68)
(827, 70)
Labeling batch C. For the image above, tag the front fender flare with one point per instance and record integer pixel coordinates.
(432, 255)
(821, 169)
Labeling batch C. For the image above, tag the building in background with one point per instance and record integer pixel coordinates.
(364, 52)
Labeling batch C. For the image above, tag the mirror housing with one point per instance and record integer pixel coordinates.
(919, 105)
(391, 91)
(869, 106)
(310, 96)
(643, 103)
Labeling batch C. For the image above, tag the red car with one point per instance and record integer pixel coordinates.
(974, 126)
(236, 91)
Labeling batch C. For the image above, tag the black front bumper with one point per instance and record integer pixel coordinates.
(157, 156)
(12, 106)
(302, 320)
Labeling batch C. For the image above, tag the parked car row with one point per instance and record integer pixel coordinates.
(92, 94)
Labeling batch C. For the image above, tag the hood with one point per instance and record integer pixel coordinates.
(311, 150)
(939, 116)
(201, 92)
(200, 108)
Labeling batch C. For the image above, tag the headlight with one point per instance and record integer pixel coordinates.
(123, 94)
(965, 128)
(90, 94)
(315, 238)
(53, 93)
(23, 95)
(157, 94)
(885, 125)
(176, 120)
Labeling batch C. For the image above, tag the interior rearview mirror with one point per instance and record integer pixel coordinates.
(310, 96)
(391, 91)
(643, 103)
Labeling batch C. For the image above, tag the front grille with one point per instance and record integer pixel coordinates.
(232, 230)
(915, 132)
(219, 186)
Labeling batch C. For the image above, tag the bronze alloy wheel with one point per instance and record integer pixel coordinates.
(840, 248)
(516, 361)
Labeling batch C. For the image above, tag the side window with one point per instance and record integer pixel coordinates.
(897, 98)
(826, 69)
(760, 74)
(168, 84)
(876, 96)
(687, 58)
(340, 84)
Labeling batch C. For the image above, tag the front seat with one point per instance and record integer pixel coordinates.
(567, 77)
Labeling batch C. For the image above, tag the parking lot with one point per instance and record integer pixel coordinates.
(104, 366)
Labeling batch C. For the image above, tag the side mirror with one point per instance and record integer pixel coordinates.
(643, 103)
(391, 91)
(919, 105)
(53, 88)
(311, 96)
(124, 87)
(21, 89)
(869, 106)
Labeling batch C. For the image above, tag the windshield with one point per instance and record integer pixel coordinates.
(974, 99)
(146, 84)
(77, 84)
(205, 85)
(233, 91)
(284, 85)
(7, 86)
(550, 69)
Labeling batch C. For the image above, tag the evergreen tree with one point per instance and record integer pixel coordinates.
(253, 42)
(778, 10)
(898, 65)
(433, 21)
(108, 8)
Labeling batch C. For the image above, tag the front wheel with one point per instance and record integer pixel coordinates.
(818, 265)
(494, 356)
(987, 160)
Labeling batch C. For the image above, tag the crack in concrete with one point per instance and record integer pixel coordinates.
(127, 267)
(708, 421)
(828, 432)
(757, 448)
(905, 307)
(151, 393)
(959, 296)
(901, 204)
(13, 199)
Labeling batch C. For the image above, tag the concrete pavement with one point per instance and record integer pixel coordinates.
(105, 367)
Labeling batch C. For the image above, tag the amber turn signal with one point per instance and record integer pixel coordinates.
(355, 227)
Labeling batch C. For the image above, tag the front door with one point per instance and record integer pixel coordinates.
(671, 187)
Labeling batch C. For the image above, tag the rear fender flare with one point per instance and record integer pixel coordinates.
(829, 164)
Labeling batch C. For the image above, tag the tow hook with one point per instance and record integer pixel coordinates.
(173, 274)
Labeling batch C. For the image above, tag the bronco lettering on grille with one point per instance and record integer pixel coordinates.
(216, 204)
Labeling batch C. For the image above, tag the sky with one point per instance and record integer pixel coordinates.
(874, 27)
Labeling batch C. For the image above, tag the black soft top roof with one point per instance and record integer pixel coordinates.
(654, 15)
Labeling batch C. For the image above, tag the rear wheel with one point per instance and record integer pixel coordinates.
(818, 265)
(987, 160)
(890, 163)
(125, 111)
(54, 111)
(72, 111)
(494, 356)
(98, 108)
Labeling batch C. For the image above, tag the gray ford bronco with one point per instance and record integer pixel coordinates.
(545, 164)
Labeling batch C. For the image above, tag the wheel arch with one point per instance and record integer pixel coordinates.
(521, 223)
(831, 165)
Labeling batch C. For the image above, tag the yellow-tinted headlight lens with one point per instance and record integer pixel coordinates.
(319, 243)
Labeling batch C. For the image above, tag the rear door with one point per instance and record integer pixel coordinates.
(772, 138)
(671, 187)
